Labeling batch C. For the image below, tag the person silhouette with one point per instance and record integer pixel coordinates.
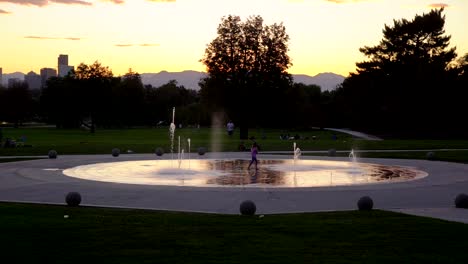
(254, 152)
(230, 128)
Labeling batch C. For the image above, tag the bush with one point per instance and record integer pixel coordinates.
(73, 199)
(332, 152)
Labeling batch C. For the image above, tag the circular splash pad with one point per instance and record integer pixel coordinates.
(235, 173)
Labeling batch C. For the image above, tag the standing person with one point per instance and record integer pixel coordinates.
(230, 128)
(254, 152)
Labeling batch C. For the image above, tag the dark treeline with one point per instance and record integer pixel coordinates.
(412, 85)
(92, 97)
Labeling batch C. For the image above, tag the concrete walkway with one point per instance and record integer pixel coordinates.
(42, 181)
(355, 133)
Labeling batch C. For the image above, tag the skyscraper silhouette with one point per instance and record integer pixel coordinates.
(63, 67)
(46, 73)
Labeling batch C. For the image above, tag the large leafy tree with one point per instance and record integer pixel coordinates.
(60, 102)
(128, 100)
(95, 82)
(16, 103)
(245, 62)
(404, 77)
(419, 45)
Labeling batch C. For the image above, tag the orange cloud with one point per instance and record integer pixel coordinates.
(52, 38)
(46, 2)
(438, 5)
(3, 12)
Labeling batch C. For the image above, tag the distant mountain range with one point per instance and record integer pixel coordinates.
(15, 75)
(189, 79)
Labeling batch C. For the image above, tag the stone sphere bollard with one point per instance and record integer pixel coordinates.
(201, 151)
(461, 201)
(365, 203)
(247, 208)
(159, 151)
(430, 155)
(332, 152)
(115, 152)
(73, 199)
(52, 154)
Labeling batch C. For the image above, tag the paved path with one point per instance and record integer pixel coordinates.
(355, 133)
(43, 181)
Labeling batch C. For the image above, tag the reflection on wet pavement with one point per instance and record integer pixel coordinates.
(235, 172)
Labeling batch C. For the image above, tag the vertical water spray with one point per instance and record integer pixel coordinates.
(352, 156)
(297, 154)
(171, 133)
(216, 131)
(188, 141)
(179, 154)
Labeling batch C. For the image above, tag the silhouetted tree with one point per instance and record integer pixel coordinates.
(399, 87)
(246, 63)
(60, 104)
(95, 82)
(17, 103)
(172, 95)
(2, 103)
(129, 100)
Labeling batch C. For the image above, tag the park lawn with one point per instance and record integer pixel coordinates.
(146, 140)
(33, 233)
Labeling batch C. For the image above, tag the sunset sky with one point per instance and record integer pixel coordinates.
(171, 35)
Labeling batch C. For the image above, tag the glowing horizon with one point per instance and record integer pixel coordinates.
(170, 35)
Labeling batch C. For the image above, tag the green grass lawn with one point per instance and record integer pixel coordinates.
(41, 234)
(146, 140)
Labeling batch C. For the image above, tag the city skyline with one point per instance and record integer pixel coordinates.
(169, 35)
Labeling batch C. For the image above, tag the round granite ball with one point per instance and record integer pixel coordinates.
(115, 152)
(159, 151)
(461, 201)
(332, 152)
(73, 199)
(430, 155)
(201, 151)
(247, 208)
(365, 203)
(52, 154)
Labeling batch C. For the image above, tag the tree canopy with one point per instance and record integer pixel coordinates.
(407, 76)
(245, 62)
(416, 45)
